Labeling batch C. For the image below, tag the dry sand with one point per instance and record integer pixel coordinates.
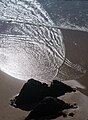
(76, 50)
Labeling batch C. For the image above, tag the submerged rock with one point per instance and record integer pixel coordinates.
(33, 92)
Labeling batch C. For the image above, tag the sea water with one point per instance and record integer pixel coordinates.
(31, 43)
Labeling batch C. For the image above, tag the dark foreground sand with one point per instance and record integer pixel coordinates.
(76, 51)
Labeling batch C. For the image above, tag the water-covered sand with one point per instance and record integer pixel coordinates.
(76, 44)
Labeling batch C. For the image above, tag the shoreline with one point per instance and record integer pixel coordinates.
(76, 51)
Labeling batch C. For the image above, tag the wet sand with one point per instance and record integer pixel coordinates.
(9, 86)
(76, 44)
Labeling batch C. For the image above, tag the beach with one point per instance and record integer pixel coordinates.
(76, 46)
(76, 43)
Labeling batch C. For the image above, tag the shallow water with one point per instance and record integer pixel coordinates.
(29, 44)
(29, 50)
(68, 14)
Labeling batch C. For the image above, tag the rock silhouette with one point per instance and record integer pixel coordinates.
(49, 108)
(34, 91)
(58, 88)
(30, 95)
(42, 99)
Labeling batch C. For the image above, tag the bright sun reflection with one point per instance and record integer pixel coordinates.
(25, 63)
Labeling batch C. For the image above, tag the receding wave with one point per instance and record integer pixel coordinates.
(29, 45)
(41, 43)
(66, 25)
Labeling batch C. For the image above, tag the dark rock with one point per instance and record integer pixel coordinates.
(30, 95)
(34, 91)
(58, 88)
(71, 114)
(49, 108)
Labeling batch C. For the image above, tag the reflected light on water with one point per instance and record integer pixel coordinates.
(30, 61)
(29, 50)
